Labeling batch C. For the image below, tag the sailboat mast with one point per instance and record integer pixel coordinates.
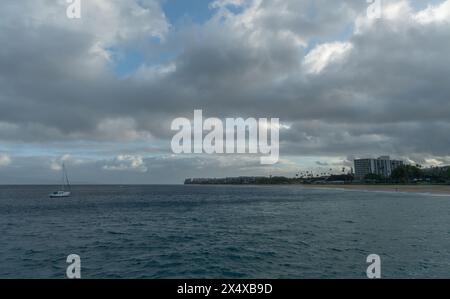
(63, 175)
(66, 178)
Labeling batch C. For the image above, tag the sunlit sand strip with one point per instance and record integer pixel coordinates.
(429, 190)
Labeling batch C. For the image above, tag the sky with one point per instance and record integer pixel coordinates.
(99, 93)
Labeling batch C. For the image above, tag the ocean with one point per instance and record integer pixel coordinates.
(222, 232)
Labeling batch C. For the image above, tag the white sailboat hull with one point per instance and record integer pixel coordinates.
(60, 194)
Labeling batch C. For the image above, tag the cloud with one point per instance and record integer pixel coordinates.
(434, 14)
(323, 55)
(127, 163)
(5, 160)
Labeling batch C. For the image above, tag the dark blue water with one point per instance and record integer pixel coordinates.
(222, 232)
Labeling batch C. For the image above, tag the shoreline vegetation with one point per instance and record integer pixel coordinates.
(417, 187)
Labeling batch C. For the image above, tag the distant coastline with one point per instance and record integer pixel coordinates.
(341, 184)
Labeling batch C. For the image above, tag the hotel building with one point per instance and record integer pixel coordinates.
(382, 166)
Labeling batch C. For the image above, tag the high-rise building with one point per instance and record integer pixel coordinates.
(382, 166)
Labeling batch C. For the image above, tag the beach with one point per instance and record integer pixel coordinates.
(432, 189)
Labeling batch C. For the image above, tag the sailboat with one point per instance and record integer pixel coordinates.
(65, 186)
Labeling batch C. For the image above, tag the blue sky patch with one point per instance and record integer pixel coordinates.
(195, 11)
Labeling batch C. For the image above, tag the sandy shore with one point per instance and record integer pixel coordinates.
(433, 189)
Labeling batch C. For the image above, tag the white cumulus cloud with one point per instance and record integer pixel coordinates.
(5, 160)
(127, 163)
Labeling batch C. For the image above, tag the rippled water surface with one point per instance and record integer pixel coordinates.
(221, 232)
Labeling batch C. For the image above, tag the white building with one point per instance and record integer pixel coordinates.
(382, 166)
